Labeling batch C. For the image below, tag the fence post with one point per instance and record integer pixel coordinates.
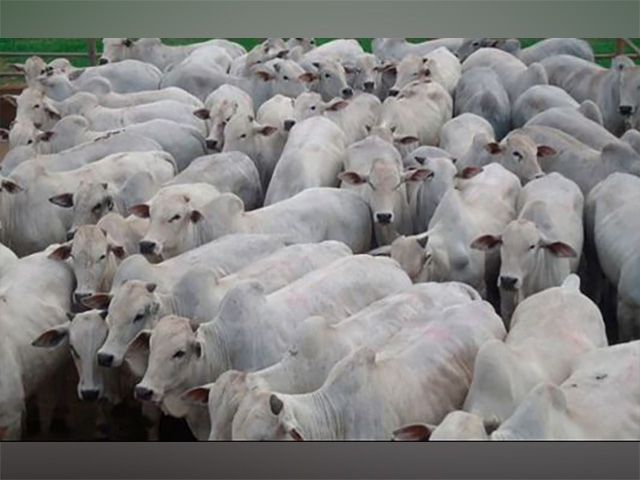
(619, 46)
(91, 50)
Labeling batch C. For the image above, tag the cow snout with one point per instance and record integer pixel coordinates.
(369, 86)
(384, 218)
(211, 144)
(79, 296)
(347, 92)
(103, 61)
(508, 283)
(147, 247)
(89, 395)
(105, 359)
(625, 110)
(394, 92)
(143, 393)
(71, 234)
(288, 124)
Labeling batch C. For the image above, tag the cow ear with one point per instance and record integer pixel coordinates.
(195, 216)
(76, 74)
(418, 432)
(52, 337)
(61, 253)
(469, 172)
(64, 200)
(141, 210)
(295, 434)
(307, 77)
(486, 242)
(352, 178)
(423, 239)
(263, 75)
(10, 99)
(493, 148)
(417, 175)
(198, 395)
(151, 287)
(11, 187)
(99, 301)
(45, 136)
(560, 249)
(140, 343)
(18, 67)
(117, 250)
(202, 113)
(337, 106)
(407, 140)
(384, 251)
(266, 130)
(545, 150)
(275, 404)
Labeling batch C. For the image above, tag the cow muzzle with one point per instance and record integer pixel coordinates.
(147, 247)
(89, 395)
(384, 218)
(103, 61)
(508, 283)
(625, 110)
(143, 393)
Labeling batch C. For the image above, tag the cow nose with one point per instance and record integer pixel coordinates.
(369, 86)
(103, 61)
(347, 92)
(288, 124)
(211, 144)
(89, 395)
(393, 92)
(625, 110)
(147, 246)
(143, 393)
(508, 283)
(71, 234)
(79, 296)
(384, 218)
(105, 359)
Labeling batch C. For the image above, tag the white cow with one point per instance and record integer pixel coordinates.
(538, 99)
(7, 259)
(104, 118)
(535, 53)
(549, 332)
(312, 157)
(127, 76)
(395, 49)
(36, 296)
(440, 66)
(230, 341)
(136, 280)
(611, 210)
(317, 346)
(543, 245)
(374, 170)
(370, 392)
(456, 136)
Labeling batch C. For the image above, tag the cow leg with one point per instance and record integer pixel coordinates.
(152, 415)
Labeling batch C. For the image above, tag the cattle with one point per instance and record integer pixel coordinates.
(543, 245)
(443, 253)
(355, 116)
(330, 80)
(269, 49)
(317, 346)
(136, 279)
(344, 51)
(34, 107)
(313, 156)
(610, 208)
(362, 388)
(278, 112)
(23, 132)
(183, 142)
(440, 66)
(34, 218)
(614, 90)
(229, 340)
(549, 332)
(632, 137)
(153, 51)
(456, 136)
(548, 47)
(367, 75)
(395, 49)
(7, 259)
(575, 123)
(513, 74)
(373, 169)
(538, 99)
(232, 172)
(480, 92)
(416, 115)
(128, 76)
(47, 285)
(313, 215)
(103, 118)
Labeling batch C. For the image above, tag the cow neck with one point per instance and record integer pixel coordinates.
(215, 358)
(317, 416)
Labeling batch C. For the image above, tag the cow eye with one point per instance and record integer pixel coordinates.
(174, 218)
(313, 107)
(97, 207)
(518, 155)
(102, 257)
(532, 247)
(138, 317)
(285, 77)
(244, 135)
(37, 105)
(179, 354)
(326, 75)
(30, 142)
(475, 44)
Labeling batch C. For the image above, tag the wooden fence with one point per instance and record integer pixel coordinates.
(620, 45)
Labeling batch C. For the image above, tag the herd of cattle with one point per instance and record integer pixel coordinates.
(205, 232)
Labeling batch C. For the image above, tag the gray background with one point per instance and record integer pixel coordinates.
(328, 18)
